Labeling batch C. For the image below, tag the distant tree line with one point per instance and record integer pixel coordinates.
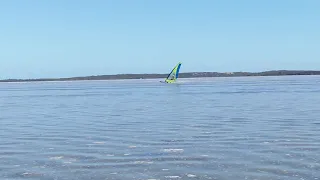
(181, 75)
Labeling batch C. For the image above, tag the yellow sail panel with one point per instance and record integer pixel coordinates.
(174, 74)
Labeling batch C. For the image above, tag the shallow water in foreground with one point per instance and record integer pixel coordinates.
(216, 128)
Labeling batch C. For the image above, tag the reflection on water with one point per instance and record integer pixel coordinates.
(216, 128)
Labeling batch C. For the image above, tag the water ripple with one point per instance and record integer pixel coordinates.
(220, 128)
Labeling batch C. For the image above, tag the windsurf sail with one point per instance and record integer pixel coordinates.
(174, 74)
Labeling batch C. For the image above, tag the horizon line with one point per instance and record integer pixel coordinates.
(158, 74)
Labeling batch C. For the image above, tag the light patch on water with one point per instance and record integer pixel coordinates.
(126, 154)
(99, 142)
(69, 161)
(143, 162)
(165, 169)
(191, 175)
(26, 173)
(132, 146)
(56, 157)
(110, 155)
(173, 177)
(173, 150)
(30, 174)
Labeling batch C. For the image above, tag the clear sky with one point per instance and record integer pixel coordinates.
(62, 38)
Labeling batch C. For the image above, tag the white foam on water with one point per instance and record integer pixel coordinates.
(56, 157)
(71, 160)
(99, 142)
(30, 174)
(26, 173)
(143, 162)
(191, 175)
(173, 177)
(173, 150)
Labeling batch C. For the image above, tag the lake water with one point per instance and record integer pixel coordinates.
(211, 128)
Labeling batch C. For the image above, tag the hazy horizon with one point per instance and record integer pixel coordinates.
(57, 78)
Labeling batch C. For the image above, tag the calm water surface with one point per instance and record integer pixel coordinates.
(217, 128)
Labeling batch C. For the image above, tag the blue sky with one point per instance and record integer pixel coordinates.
(62, 38)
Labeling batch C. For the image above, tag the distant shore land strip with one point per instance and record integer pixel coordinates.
(181, 75)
